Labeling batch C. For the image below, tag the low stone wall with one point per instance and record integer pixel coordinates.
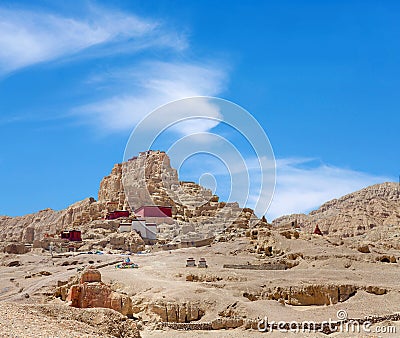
(188, 326)
(274, 266)
(186, 244)
(196, 243)
(216, 324)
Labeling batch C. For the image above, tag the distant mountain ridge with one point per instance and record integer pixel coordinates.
(354, 213)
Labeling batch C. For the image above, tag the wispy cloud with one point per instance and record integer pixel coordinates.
(28, 37)
(150, 85)
(119, 98)
(303, 185)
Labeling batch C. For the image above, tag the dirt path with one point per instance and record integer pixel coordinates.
(36, 286)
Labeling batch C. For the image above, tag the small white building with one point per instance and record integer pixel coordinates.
(152, 229)
(125, 227)
(146, 230)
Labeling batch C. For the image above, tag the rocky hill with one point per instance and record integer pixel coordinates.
(251, 266)
(147, 179)
(355, 214)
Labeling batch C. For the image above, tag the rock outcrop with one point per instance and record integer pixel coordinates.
(28, 228)
(147, 179)
(176, 312)
(325, 294)
(91, 292)
(198, 214)
(150, 179)
(126, 241)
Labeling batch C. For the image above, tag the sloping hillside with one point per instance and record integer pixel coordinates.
(353, 214)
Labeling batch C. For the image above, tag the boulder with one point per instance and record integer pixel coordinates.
(364, 248)
(90, 275)
(91, 292)
(376, 290)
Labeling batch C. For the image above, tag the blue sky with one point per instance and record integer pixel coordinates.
(321, 78)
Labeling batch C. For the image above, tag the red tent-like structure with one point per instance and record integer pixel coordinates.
(317, 230)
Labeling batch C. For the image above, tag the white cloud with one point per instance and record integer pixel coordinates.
(302, 187)
(29, 37)
(151, 85)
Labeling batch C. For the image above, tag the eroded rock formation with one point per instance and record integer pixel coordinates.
(168, 311)
(324, 294)
(88, 291)
(146, 179)
(354, 214)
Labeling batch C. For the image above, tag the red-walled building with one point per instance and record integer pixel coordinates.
(72, 235)
(153, 211)
(117, 214)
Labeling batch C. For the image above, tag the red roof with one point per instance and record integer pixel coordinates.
(154, 211)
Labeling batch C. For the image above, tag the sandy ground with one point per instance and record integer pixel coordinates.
(162, 277)
(375, 332)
